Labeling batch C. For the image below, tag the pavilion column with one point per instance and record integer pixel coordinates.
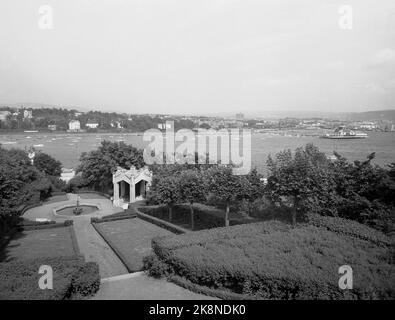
(116, 191)
(122, 188)
(132, 191)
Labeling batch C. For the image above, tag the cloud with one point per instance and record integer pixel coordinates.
(383, 58)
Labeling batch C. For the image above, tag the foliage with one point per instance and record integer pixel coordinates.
(19, 279)
(349, 228)
(47, 164)
(156, 268)
(86, 280)
(307, 182)
(192, 189)
(75, 184)
(274, 261)
(167, 191)
(97, 166)
(300, 181)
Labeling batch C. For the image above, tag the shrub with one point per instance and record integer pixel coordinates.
(86, 280)
(348, 228)
(19, 279)
(28, 223)
(156, 268)
(68, 223)
(274, 261)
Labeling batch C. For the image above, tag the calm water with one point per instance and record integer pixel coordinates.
(68, 147)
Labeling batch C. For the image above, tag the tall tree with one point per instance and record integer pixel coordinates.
(226, 186)
(192, 189)
(300, 181)
(167, 191)
(97, 166)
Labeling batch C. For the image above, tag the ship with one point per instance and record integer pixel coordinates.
(343, 133)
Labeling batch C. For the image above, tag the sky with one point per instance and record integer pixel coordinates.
(199, 56)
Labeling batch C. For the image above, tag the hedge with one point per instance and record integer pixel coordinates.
(72, 277)
(36, 225)
(127, 214)
(348, 228)
(274, 261)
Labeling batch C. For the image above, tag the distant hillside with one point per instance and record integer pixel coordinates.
(388, 115)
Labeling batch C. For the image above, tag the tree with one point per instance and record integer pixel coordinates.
(192, 189)
(47, 164)
(98, 165)
(18, 181)
(226, 186)
(167, 191)
(302, 181)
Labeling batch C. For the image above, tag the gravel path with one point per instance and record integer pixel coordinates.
(94, 248)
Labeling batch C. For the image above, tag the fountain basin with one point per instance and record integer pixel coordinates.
(67, 211)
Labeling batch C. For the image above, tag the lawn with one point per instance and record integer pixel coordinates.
(132, 238)
(272, 260)
(58, 198)
(206, 217)
(92, 196)
(31, 244)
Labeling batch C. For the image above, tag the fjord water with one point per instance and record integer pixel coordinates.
(67, 147)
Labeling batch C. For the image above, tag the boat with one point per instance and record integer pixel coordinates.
(343, 133)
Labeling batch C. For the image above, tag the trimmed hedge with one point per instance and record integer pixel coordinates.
(348, 228)
(127, 214)
(36, 225)
(274, 261)
(71, 277)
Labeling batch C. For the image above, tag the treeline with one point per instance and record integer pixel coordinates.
(299, 183)
(22, 183)
(107, 121)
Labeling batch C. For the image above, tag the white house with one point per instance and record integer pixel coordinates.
(130, 185)
(27, 114)
(92, 124)
(164, 126)
(74, 125)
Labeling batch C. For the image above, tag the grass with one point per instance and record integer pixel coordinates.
(272, 260)
(32, 244)
(91, 196)
(132, 238)
(206, 217)
(58, 198)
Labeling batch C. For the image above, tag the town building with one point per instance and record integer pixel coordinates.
(165, 126)
(74, 126)
(27, 114)
(92, 124)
